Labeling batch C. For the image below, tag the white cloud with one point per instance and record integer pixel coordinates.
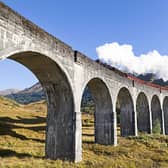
(123, 58)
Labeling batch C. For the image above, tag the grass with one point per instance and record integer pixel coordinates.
(22, 143)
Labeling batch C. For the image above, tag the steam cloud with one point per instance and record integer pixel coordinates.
(123, 58)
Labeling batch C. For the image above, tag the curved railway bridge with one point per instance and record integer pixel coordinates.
(65, 73)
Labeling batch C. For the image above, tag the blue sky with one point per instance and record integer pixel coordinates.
(87, 24)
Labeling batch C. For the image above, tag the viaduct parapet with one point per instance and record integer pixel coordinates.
(64, 74)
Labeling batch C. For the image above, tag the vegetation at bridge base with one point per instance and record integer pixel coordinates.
(157, 127)
(22, 136)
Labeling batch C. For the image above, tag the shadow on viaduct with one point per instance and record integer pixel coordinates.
(64, 74)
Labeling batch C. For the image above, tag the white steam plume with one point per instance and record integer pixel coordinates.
(123, 58)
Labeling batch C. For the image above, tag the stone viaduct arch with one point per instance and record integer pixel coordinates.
(125, 107)
(156, 112)
(103, 111)
(143, 115)
(60, 102)
(165, 111)
(64, 73)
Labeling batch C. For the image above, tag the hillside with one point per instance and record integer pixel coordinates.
(36, 88)
(32, 94)
(8, 104)
(8, 92)
(22, 143)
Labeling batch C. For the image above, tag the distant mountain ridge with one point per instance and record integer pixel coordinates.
(8, 91)
(150, 77)
(33, 89)
(32, 94)
(36, 93)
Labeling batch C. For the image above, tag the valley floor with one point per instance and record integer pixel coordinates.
(22, 143)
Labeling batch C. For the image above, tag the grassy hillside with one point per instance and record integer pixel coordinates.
(22, 141)
(26, 98)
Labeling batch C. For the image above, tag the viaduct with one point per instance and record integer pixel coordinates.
(64, 74)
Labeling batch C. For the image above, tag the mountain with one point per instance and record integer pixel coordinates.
(28, 95)
(8, 91)
(150, 77)
(33, 89)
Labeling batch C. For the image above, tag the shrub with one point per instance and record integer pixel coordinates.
(156, 127)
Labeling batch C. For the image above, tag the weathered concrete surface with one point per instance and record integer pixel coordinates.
(64, 74)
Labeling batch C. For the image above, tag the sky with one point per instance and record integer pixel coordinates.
(86, 25)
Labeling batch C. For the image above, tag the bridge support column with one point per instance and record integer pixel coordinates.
(104, 129)
(135, 121)
(60, 132)
(150, 119)
(115, 124)
(163, 123)
(78, 136)
(135, 113)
